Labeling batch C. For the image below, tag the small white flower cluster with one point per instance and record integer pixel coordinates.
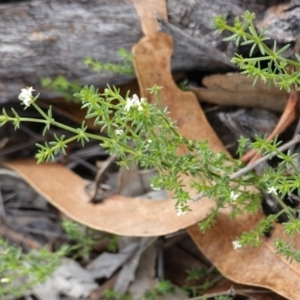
(154, 188)
(236, 245)
(234, 196)
(180, 211)
(119, 131)
(148, 143)
(26, 96)
(134, 101)
(272, 190)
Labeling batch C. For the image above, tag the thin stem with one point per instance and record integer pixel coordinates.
(266, 48)
(282, 148)
(257, 59)
(159, 102)
(11, 119)
(42, 113)
(286, 208)
(229, 292)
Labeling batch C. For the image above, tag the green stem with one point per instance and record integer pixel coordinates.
(266, 48)
(286, 208)
(11, 119)
(40, 111)
(257, 59)
(159, 102)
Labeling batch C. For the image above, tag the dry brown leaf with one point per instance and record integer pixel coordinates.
(238, 89)
(259, 266)
(117, 214)
(152, 57)
(147, 12)
(178, 262)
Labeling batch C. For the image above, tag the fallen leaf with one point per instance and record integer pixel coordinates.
(147, 12)
(257, 266)
(238, 89)
(178, 262)
(117, 214)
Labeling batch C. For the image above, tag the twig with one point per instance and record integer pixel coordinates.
(100, 176)
(248, 168)
(230, 292)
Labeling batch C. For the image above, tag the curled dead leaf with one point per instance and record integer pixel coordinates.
(237, 89)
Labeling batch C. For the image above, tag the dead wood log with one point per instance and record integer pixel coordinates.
(46, 38)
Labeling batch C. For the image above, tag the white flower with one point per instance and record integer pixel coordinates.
(236, 245)
(119, 131)
(134, 101)
(26, 96)
(272, 190)
(234, 196)
(129, 104)
(4, 280)
(180, 211)
(154, 188)
(149, 141)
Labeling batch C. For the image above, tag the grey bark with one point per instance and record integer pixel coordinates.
(46, 38)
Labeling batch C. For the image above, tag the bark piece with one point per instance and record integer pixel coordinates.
(42, 38)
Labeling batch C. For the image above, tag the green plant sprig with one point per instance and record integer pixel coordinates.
(136, 130)
(142, 132)
(244, 33)
(124, 68)
(20, 271)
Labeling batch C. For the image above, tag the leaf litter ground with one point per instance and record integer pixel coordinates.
(32, 222)
(166, 251)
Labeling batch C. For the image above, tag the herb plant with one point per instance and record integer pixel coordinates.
(281, 71)
(136, 130)
(20, 271)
